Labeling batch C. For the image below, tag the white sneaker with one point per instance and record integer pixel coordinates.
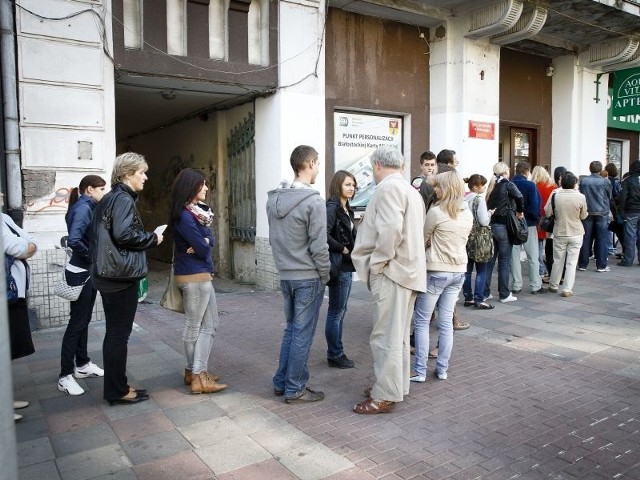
(605, 269)
(441, 375)
(88, 370)
(490, 297)
(16, 417)
(18, 404)
(510, 298)
(69, 386)
(418, 378)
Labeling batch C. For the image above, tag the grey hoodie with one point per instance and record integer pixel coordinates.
(298, 233)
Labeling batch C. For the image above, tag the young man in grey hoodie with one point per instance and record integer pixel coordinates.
(298, 237)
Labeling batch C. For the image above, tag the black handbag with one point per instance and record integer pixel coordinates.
(334, 271)
(114, 262)
(517, 229)
(548, 223)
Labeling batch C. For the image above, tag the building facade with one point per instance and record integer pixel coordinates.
(232, 86)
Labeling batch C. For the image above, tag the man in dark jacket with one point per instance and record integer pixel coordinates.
(597, 191)
(531, 200)
(630, 208)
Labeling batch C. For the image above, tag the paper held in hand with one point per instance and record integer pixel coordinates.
(160, 229)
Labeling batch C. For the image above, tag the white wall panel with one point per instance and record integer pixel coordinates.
(63, 106)
(53, 148)
(43, 60)
(82, 28)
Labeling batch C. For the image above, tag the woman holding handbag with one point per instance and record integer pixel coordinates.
(74, 359)
(481, 218)
(193, 267)
(446, 230)
(18, 247)
(501, 194)
(341, 236)
(118, 244)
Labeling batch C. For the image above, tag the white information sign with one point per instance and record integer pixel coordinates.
(357, 135)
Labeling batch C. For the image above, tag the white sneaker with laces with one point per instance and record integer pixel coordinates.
(510, 298)
(69, 386)
(490, 297)
(605, 269)
(88, 370)
(441, 375)
(418, 378)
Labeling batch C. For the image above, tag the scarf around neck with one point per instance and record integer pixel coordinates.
(201, 212)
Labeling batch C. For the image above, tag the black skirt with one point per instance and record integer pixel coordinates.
(19, 330)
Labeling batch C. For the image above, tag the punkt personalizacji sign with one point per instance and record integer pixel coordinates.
(626, 92)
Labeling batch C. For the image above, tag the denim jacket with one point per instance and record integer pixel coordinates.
(597, 191)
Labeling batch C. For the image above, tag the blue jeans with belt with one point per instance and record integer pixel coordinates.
(302, 300)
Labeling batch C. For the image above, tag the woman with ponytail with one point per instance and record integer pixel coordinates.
(74, 359)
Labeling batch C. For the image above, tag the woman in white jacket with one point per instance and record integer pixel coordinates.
(446, 230)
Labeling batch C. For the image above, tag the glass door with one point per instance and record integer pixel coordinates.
(523, 147)
(614, 153)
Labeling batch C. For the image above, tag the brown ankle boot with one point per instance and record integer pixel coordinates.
(204, 383)
(188, 375)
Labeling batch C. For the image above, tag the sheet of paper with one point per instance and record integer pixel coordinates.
(160, 229)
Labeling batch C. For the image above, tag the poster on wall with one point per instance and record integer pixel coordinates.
(356, 136)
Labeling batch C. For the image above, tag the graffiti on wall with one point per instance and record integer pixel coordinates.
(56, 202)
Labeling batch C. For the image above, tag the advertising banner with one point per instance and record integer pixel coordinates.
(623, 122)
(626, 92)
(357, 135)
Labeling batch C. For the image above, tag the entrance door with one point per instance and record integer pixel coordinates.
(614, 153)
(518, 144)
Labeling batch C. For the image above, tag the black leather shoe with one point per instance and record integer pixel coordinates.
(341, 362)
(539, 291)
(128, 401)
(306, 396)
(278, 393)
(515, 292)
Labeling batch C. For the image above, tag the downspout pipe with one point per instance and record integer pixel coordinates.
(13, 198)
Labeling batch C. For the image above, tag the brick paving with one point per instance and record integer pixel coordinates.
(545, 387)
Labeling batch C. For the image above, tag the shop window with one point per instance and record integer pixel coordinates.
(218, 29)
(614, 153)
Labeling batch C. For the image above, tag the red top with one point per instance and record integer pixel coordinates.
(545, 190)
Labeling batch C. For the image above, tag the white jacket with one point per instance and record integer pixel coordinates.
(17, 246)
(448, 250)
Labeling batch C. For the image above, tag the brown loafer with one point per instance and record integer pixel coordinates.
(372, 407)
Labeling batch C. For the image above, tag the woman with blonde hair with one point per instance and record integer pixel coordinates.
(501, 195)
(545, 186)
(446, 231)
(117, 231)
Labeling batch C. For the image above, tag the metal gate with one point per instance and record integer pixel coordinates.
(242, 181)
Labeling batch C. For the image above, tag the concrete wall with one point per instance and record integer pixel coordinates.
(525, 97)
(379, 66)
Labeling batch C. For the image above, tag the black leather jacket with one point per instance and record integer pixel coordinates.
(339, 232)
(502, 198)
(127, 230)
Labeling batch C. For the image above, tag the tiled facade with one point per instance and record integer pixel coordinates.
(267, 277)
(50, 310)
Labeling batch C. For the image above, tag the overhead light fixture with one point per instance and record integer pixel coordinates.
(168, 94)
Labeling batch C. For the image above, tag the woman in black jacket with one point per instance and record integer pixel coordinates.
(501, 195)
(341, 235)
(74, 359)
(118, 244)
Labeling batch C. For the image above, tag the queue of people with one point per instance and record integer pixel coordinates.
(410, 248)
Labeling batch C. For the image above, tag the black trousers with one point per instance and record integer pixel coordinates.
(119, 311)
(74, 342)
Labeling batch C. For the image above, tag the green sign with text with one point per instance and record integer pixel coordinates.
(623, 122)
(626, 92)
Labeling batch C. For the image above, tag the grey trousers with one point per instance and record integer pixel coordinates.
(389, 340)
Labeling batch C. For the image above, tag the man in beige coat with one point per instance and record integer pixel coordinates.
(389, 255)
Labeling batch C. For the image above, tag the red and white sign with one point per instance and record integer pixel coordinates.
(484, 130)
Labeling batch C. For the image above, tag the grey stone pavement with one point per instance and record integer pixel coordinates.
(545, 387)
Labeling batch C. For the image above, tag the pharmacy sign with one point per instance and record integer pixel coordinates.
(626, 92)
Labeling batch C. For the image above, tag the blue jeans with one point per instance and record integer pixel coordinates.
(443, 289)
(502, 253)
(542, 269)
(302, 300)
(595, 229)
(338, 298)
(631, 238)
(201, 321)
(481, 274)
